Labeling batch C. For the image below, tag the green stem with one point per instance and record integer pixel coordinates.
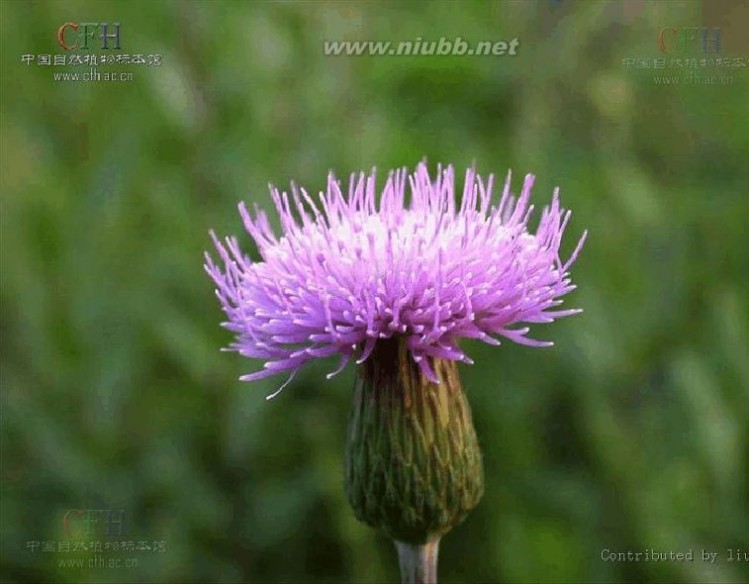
(418, 562)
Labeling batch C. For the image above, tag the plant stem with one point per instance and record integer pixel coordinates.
(418, 562)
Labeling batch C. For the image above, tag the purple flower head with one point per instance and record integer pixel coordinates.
(348, 271)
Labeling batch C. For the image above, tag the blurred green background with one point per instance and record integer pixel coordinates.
(630, 434)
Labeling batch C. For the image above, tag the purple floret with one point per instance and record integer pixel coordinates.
(348, 271)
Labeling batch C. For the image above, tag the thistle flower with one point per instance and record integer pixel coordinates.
(397, 286)
(348, 272)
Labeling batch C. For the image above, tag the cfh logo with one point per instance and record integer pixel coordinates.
(88, 35)
(689, 40)
(86, 523)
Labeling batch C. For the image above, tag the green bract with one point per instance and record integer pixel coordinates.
(413, 464)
